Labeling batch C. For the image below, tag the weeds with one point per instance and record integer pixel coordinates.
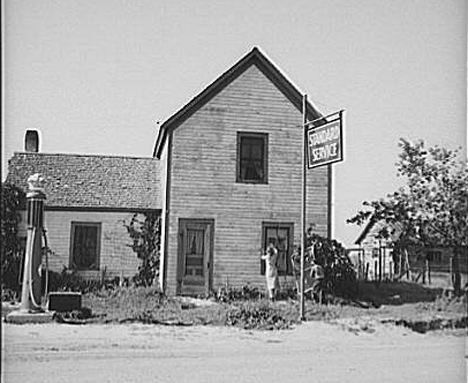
(261, 315)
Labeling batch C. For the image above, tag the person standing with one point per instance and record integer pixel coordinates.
(317, 275)
(271, 269)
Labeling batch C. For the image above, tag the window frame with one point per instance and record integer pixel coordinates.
(434, 256)
(73, 226)
(264, 137)
(279, 225)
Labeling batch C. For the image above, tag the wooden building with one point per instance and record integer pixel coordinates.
(376, 258)
(225, 175)
(230, 164)
(88, 199)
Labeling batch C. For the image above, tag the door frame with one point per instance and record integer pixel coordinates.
(210, 224)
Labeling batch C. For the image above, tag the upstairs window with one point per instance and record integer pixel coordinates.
(85, 246)
(252, 158)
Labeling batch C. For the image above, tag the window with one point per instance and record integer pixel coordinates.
(434, 256)
(85, 246)
(252, 157)
(281, 235)
(195, 252)
(375, 252)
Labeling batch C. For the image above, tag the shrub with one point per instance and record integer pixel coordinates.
(260, 315)
(340, 276)
(13, 200)
(146, 237)
(70, 280)
(229, 294)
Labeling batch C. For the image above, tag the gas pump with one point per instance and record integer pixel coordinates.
(32, 281)
(30, 310)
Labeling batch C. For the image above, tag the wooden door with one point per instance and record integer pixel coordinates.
(195, 256)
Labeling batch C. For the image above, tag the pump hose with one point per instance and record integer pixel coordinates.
(31, 244)
(46, 295)
(46, 245)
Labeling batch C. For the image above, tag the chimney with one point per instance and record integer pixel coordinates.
(31, 141)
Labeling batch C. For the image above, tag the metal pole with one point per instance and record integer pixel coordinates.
(303, 207)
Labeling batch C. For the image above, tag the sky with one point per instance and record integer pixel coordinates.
(96, 77)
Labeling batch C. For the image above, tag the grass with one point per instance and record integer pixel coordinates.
(147, 305)
(400, 303)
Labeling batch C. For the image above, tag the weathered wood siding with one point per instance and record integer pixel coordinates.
(203, 177)
(115, 256)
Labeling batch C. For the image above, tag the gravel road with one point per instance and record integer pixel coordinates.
(312, 352)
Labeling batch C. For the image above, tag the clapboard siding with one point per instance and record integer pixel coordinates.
(203, 177)
(116, 257)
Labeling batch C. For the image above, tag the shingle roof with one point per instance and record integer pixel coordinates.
(91, 181)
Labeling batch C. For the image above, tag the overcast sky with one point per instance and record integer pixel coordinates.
(96, 76)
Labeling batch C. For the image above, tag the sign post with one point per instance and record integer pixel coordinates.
(303, 204)
(322, 145)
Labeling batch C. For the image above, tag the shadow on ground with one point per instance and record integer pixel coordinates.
(397, 293)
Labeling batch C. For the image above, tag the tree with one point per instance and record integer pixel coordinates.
(339, 274)
(432, 208)
(146, 236)
(13, 200)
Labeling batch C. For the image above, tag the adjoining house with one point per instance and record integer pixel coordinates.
(231, 180)
(88, 199)
(378, 260)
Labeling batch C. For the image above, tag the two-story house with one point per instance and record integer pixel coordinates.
(230, 165)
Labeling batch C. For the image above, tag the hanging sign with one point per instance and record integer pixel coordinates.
(325, 144)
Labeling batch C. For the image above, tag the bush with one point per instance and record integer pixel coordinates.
(229, 294)
(13, 200)
(70, 280)
(261, 316)
(340, 276)
(146, 237)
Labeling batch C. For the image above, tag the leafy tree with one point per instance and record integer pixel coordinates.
(13, 199)
(146, 236)
(431, 209)
(339, 274)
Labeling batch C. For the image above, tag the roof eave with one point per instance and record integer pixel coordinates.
(364, 231)
(254, 57)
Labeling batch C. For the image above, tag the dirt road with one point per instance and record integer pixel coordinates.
(313, 352)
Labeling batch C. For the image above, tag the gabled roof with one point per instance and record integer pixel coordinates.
(364, 232)
(394, 235)
(254, 57)
(91, 181)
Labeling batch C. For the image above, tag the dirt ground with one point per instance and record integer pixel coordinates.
(344, 351)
